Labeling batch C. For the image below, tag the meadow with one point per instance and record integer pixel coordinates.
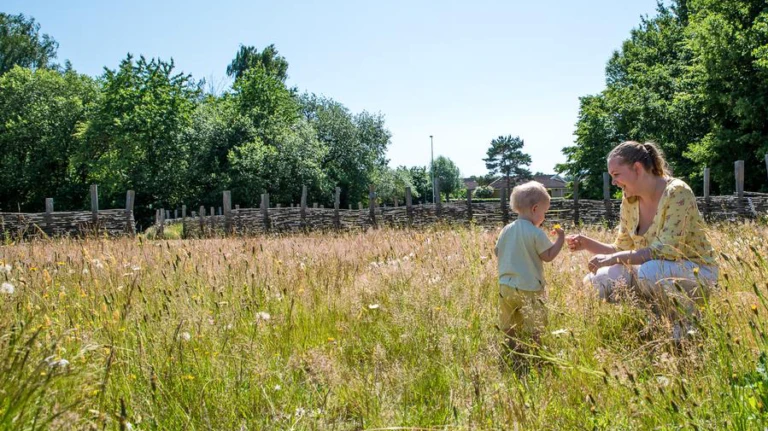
(385, 329)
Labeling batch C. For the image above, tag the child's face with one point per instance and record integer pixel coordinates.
(538, 212)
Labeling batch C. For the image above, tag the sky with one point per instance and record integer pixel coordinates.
(464, 72)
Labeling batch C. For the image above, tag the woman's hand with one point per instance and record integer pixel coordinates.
(576, 242)
(600, 260)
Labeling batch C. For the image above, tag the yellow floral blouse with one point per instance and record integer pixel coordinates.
(677, 232)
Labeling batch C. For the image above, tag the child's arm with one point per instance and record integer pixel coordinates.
(551, 253)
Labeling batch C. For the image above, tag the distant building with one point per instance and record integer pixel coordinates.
(555, 185)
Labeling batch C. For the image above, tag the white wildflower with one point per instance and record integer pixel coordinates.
(5, 268)
(302, 266)
(300, 412)
(373, 306)
(278, 387)
(128, 426)
(85, 271)
(7, 288)
(97, 263)
(662, 381)
(263, 316)
(185, 336)
(136, 268)
(61, 363)
(559, 332)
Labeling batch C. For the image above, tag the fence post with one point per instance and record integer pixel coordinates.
(438, 200)
(504, 207)
(739, 171)
(372, 203)
(130, 197)
(95, 207)
(470, 214)
(49, 215)
(161, 228)
(766, 163)
(202, 221)
(576, 201)
(336, 202)
(212, 218)
(607, 198)
(409, 205)
(706, 192)
(184, 221)
(227, 198)
(265, 210)
(303, 206)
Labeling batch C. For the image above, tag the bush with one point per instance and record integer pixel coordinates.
(484, 192)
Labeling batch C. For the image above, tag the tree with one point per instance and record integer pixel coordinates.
(248, 57)
(21, 44)
(693, 80)
(422, 183)
(356, 145)
(133, 139)
(39, 114)
(505, 156)
(448, 175)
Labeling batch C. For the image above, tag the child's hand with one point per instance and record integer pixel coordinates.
(558, 230)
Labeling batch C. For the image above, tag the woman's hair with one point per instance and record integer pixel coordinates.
(648, 154)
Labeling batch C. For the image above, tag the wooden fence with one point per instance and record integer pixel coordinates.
(112, 222)
(301, 217)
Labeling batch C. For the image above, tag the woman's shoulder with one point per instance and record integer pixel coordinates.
(677, 187)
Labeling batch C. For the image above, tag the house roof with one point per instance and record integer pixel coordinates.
(549, 181)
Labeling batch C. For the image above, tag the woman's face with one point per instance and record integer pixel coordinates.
(624, 175)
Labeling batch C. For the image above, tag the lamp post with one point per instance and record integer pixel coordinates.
(432, 166)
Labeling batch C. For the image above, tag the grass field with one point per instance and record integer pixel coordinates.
(375, 330)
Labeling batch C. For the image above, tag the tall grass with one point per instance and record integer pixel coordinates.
(370, 330)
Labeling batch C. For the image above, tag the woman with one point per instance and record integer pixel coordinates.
(661, 244)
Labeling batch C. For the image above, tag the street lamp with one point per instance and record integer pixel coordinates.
(432, 167)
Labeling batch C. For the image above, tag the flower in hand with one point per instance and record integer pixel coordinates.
(558, 230)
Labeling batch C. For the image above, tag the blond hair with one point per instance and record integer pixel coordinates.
(648, 154)
(526, 195)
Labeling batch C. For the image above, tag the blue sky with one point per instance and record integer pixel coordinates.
(465, 72)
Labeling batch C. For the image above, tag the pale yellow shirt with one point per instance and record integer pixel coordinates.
(518, 249)
(677, 232)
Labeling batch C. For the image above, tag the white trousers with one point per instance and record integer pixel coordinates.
(656, 280)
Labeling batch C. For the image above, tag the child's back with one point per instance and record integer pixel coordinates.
(518, 248)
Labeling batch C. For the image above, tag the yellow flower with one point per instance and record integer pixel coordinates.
(557, 226)
(189, 377)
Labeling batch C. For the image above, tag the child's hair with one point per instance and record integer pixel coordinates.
(648, 154)
(527, 195)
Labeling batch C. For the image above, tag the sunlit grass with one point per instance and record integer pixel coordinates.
(352, 331)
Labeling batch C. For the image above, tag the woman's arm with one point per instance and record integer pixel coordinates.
(629, 257)
(580, 242)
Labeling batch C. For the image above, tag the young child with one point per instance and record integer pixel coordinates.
(521, 249)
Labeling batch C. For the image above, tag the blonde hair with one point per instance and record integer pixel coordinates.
(526, 195)
(648, 154)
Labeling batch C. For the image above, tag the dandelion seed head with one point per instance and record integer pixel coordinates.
(7, 288)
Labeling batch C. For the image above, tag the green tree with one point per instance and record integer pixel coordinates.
(422, 184)
(133, 139)
(269, 60)
(730, 42)
(21, 44)
(39, 114)
(449, 176)
(356, 145)
(506, 157)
